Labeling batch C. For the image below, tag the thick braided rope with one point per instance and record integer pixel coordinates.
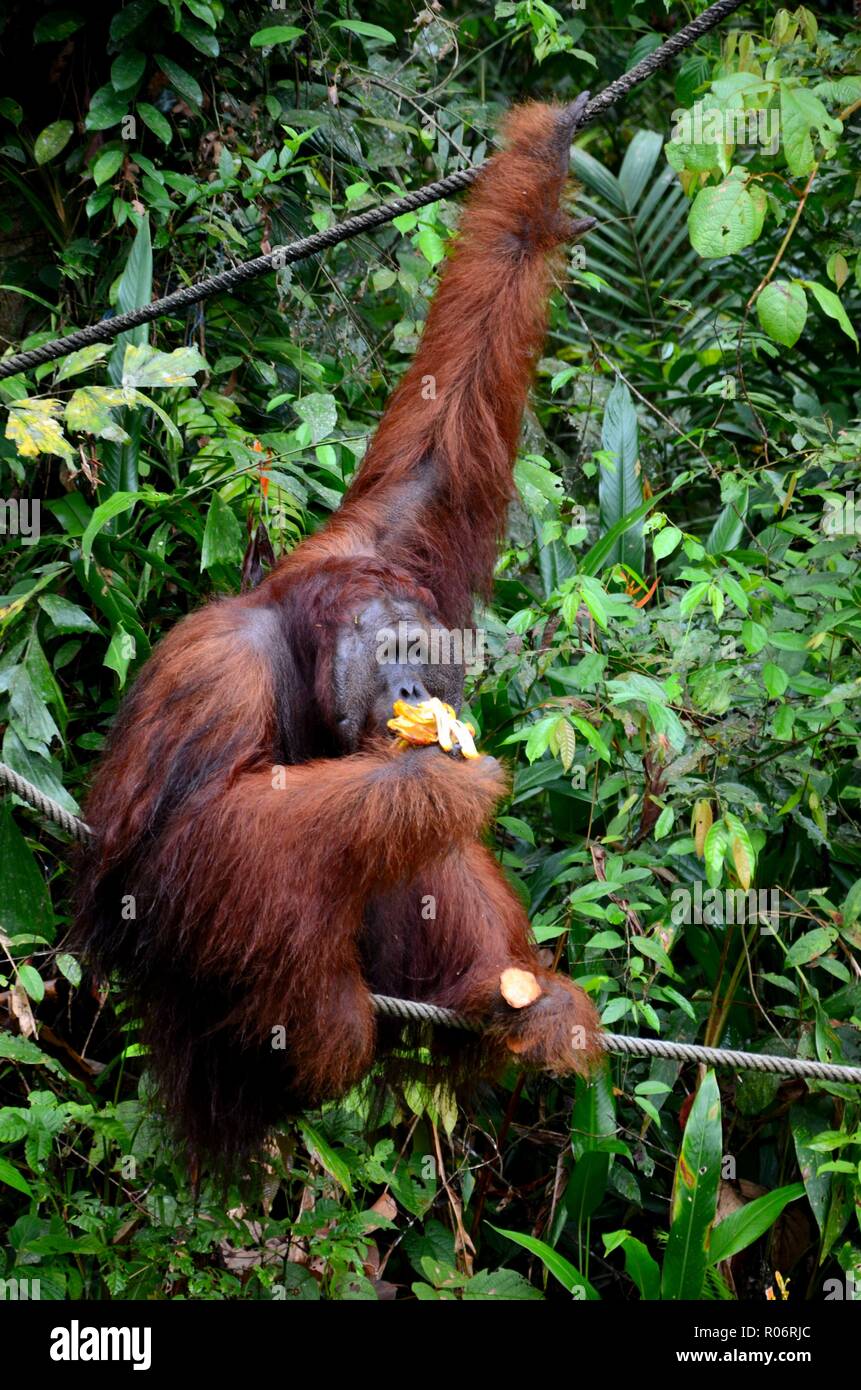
(45, 805)
(412, 1010)
(107, 329)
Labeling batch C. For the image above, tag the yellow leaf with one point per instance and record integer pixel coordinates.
(741, 860)
(565, 741)
(34, 430)
(701, 825)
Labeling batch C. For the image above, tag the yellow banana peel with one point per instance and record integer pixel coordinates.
(433, 721)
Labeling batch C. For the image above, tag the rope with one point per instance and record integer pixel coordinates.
(412, 1010)
(107, 329)
(47, 807)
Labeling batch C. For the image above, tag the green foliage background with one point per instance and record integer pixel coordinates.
(695, 423)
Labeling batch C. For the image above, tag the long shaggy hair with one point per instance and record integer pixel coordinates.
(251, 885)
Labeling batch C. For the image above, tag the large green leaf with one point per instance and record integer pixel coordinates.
(593, 1117)
(620, 489)
(52, 140)
(120, 461)
(808, 1118)
(726, 218)
(640, 1266)
(782, 311)
(568, 1275)
(114, 506)
(743, 1227)
(587, 1185)
(327, 1156)
(729, 527)
(598, 555)
(222, 538)
(694, 1200)
(25, 905)
(12, 1178)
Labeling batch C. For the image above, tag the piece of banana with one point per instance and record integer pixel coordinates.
(432, 721)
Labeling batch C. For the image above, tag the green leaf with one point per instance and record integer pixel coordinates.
(431, 245)
(808, 1118)
(23, 891)
(569, 1277)
(107, 165)
(520, 828)
(200, 37)
(852, 906)
(89, 411)
(665, 542)
(65, 616)
(69, 968)
(22, 1050)
(596, 557)
(830, 305)
(812, 944)
(538, 737)
(121, 652)
(39, 770)
(694, 1201)
(593, 1118)
(52, 140)
(113, 506)
(504, 1284)
(605, 941)
(642, 1268)
(57, 26)
(222, 536)
(587, 1185)
(783, 723)
(129, 18)
(326, 1155)
(620, 487)
(162, 415)
(365, 30)
(782, 311)
(537, 485)
(735, 592)
(12, 1178)
(592, 737)
(774, 679)
(31, 982)
(157, 123)
(181, 81)
(319, 412)
(11, 111)
(107, 109)
(729, 527)
(754, 636)
(145, 367)
(133, 291)
(127, 69)
(81, 361)
(741, 1228)
(801, 113)
(714, 852)
(275, 34)
(724, 219)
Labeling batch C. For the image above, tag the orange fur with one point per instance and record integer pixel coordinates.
(251, 882)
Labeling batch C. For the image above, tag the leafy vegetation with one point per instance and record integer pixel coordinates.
(673, 642)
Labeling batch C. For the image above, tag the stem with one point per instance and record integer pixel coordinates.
(796, 217)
